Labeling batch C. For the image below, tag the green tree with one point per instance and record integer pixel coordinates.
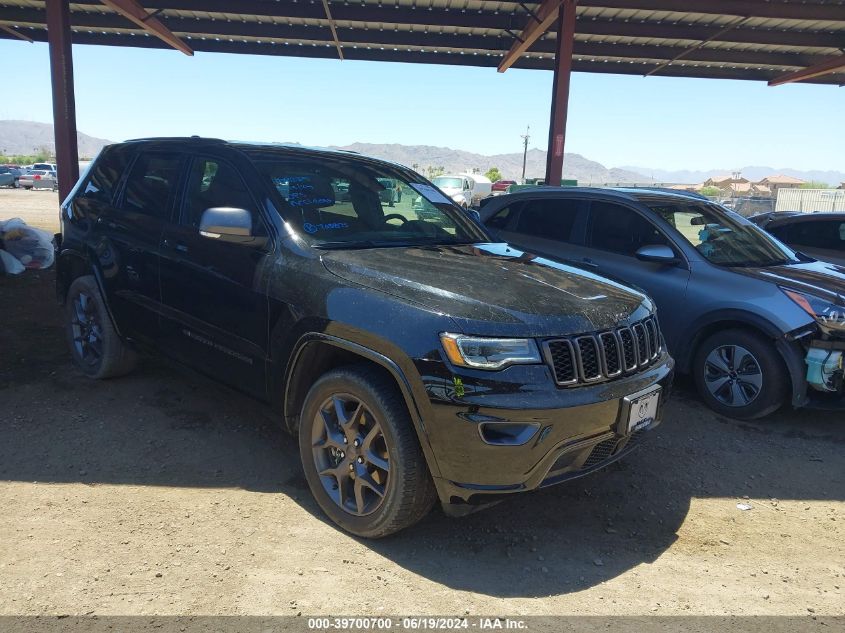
(493, 174)
(711, 192)
(814, 184)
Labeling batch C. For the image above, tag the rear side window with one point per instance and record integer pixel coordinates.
(152, 183)
(621, 230)
(549, 219)
(502, 218)
(104, 176)
(825, 234)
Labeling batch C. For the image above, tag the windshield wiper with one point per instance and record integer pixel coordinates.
(347, 245)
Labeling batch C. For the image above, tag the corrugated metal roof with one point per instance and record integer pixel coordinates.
(739, 39)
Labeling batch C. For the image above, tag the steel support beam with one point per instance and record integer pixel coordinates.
(333, 29)
(832, 65)
(134, 12)
(560, 92)
(64, 103)
(506, 25)
(15, 33)
(539, 23)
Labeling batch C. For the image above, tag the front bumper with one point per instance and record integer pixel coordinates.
(552, 434)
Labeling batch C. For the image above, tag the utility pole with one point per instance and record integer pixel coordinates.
(525, 138)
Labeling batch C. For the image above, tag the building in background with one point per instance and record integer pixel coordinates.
(780, 181)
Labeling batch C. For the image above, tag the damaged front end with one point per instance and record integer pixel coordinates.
(824, 349)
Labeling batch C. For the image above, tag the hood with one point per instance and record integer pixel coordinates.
(821, 279)
(493, 289)
(451, 191)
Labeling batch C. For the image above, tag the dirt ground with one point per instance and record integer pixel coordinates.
(162, 493)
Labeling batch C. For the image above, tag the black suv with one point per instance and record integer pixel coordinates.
(415, 358)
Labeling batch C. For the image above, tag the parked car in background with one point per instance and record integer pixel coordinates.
(820, 235)
(45, 166)
(501, 186)
(7, 177)
(392, 192)
(465, 189)
(414, 358)
(38, 179)
(754, 323)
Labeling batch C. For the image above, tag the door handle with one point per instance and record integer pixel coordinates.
(589, 262)
(177, 246)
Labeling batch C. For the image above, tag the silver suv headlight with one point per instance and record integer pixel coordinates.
(823, 311)
(489, 353)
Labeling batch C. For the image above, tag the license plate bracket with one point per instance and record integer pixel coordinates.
(639, 410)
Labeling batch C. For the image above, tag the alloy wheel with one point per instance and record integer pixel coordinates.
(733, 375)
(87, 332)
(350, 454)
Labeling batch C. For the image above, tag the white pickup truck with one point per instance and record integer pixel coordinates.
(466, 190)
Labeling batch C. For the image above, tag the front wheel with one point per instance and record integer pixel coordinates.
(740, 374)
(360, 453)
(94, 343)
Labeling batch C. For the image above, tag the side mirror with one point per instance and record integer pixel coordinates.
(227, 224)
(657, 253)
(475, 215)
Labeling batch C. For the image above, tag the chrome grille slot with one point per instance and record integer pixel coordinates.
(610, 351)
(629, 351)
(588, 358)
(561, 356)
(604, 355)
(654, 337)
(641, 343)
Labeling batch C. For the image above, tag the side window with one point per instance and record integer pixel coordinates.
(621, 230)
(550, 219)
(216, 183)
(780, 232)
(104, 176)
(152, 183)
(825, 234)
(503, 217)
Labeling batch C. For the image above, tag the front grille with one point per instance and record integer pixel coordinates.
(562, 357)
(588, 358)
(605, 355)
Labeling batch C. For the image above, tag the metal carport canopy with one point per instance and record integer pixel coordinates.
(775, 41)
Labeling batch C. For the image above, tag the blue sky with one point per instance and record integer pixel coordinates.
(662, 123)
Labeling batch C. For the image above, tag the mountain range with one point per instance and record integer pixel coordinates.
(28, 137)
(751, 172)
(575, 166)
(31, 137)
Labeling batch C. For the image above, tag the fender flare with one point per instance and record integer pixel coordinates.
(789, 350)
(367, 353)
(88, 265)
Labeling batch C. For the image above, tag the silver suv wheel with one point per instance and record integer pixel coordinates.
(733, 375)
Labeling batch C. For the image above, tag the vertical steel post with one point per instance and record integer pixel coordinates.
(560, 92)
(64, 103)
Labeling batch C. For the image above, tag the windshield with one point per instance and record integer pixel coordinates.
(345, 203)
(453, 183)
(723, 238)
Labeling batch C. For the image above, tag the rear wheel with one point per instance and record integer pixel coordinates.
(740, 374)
(360, 453)
(94, 344)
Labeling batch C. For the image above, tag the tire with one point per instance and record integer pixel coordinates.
(740, 374)
(94, 344)
(383, 437)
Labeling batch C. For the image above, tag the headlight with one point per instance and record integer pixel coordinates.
(826, 313)
(489, 353)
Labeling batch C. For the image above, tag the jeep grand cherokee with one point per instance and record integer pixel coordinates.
(414, 357)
